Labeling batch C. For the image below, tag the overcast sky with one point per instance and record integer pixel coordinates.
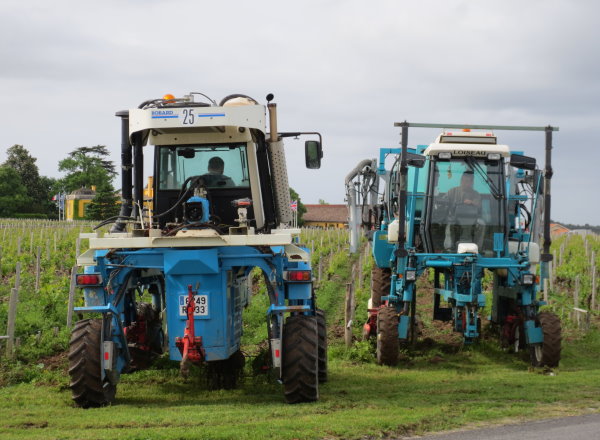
(348, 69)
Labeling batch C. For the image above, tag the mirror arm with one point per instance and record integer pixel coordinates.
(300, 133)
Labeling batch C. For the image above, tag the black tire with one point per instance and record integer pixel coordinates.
(85, 351)
(388, 345)
(300, 359)
(225, 374)
(548, 353)
(380, 284)
(322, 333)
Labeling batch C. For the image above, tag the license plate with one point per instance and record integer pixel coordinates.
(200, 305)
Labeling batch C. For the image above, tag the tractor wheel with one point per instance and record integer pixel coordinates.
(225, 374)
(388, 344)
(322, 331)
(300, 361)
(380, 285)
(89, 389)
(547, 354)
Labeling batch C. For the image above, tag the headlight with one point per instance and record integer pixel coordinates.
(527, 279)
(411, 275)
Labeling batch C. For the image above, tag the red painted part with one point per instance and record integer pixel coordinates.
(190, 346)
(508, 329)
(137, 333)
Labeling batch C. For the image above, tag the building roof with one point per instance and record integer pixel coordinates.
(326, 213)
(558, 229)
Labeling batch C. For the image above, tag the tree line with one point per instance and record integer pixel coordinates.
(25, 193)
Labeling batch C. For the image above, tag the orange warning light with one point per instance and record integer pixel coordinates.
(168, 97)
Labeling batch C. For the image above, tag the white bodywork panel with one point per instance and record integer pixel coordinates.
(467, 248)
(477, 150)
(193, 239)
(167, 119)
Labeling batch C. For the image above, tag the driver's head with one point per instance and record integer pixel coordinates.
(216, 165)
(466, 181)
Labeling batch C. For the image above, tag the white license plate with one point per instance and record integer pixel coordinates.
(200, 305)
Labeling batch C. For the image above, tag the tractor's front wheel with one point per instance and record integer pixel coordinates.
(547, 354)
(89, 388)
(388, 345)
(300, 361)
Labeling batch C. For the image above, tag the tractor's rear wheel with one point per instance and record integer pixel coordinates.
(547, 354)
(322, 333)
(225, 374)
(388, 345)
(300, 361)
(88, 386)
(380, 284)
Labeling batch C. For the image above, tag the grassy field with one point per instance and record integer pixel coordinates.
(438, 385)
(433, 391)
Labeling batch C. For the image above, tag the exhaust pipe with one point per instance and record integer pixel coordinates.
(126, 173)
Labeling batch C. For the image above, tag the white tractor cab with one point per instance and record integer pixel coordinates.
(466, 203)
(216, 168)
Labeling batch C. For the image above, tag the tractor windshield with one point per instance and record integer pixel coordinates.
(465, 204)
(221, 165)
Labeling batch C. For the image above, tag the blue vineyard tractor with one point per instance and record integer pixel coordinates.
(459, 206)
(173, 273)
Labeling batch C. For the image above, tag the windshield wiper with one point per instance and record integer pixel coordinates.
(475, 166)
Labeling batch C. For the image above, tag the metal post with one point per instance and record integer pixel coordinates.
(12, 314)
(18, 275)
(401, 191)
(348, 315)
(37, 268)
(593, 293)
(546, 256)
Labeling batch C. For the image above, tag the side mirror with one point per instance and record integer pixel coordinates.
(313, 152)
(523, 162)
(415, 160)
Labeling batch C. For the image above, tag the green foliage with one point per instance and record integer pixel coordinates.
(104, 204)
(38, 187)
(301, 208)
(87, 166)
(13, 194)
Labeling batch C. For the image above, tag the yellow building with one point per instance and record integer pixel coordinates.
(77, 201)
(326, 216)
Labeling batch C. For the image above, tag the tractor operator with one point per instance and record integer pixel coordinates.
(464, 194)
(465, 223)
(215, 176)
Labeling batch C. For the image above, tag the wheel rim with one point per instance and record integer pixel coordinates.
(538, 352)
(517, 339)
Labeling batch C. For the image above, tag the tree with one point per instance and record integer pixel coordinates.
(104, 204)
(323, 202)
(301, 208)
(87, 166)
(13, 194)
(23, 163)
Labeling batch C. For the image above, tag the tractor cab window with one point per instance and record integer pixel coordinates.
(221, 165)
(465, 204)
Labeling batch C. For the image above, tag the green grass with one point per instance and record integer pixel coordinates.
(437, 386)
(476, 385)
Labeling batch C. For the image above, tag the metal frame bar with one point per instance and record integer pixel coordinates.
(476, 126)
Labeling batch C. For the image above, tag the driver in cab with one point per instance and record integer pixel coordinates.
(465, 223)
(464, 194)
(215, 177)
